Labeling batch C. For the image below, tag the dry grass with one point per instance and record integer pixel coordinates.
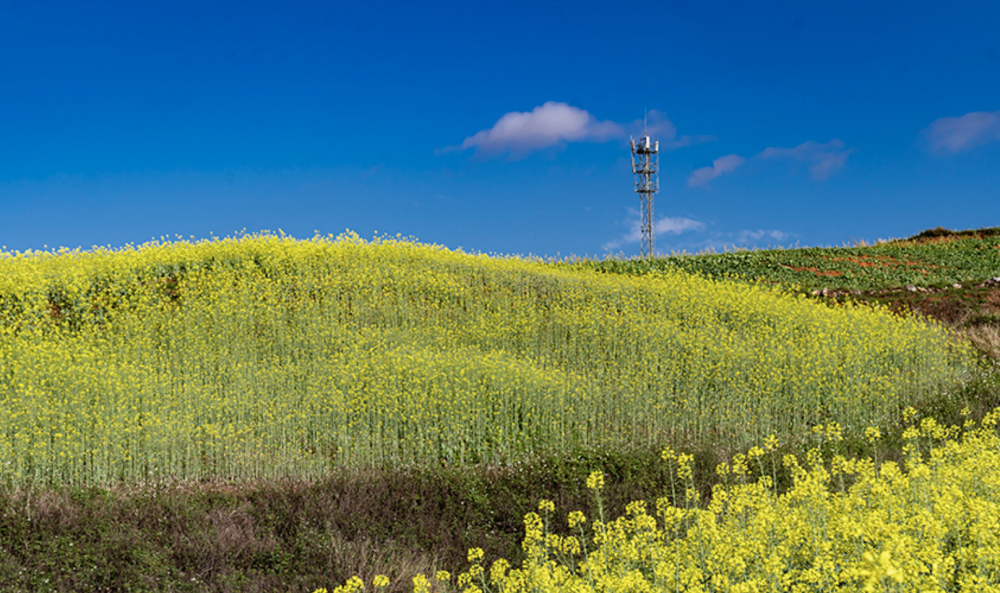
(986, 339)
(366, 558)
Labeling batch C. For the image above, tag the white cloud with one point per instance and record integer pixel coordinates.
(823, 159)
(728, 241)
(744, 237)
(677, 226)
(700, 239)
(665, 225)
(720, 166)
(520, 132)
(546, 125)
(955, 134)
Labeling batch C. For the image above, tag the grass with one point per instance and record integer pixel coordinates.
(293, 535)
(932, 259)
(266, 357)
(219, 532)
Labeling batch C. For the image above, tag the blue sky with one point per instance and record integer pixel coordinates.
(497, 127)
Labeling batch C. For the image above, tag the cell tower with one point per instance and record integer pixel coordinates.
(645, 168)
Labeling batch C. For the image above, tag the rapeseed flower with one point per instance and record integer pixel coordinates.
(263, 356)
(933, 527)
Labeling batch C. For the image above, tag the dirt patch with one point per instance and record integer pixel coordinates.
(946, 308)
(973, 305)
(866, 261)
(992, 301)
(973, 312)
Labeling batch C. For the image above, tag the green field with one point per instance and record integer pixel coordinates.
(159, 399)
(934, 259)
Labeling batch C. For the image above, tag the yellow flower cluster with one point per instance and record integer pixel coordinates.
(262, 356)
(932, 525)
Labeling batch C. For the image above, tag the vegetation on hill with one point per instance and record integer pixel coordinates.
(267, 357)
(951, 277)
(932, 259)
(269, 414)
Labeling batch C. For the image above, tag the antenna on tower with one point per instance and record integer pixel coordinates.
(646, 168)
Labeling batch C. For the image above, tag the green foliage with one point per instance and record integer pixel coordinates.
(967, 261)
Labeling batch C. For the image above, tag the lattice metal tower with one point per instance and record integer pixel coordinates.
(646, 168)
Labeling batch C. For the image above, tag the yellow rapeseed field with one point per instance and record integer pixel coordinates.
(262, 356)
(932, 525)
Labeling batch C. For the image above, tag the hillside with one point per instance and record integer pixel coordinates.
(270, 357)
(262, 413)
(949, 276)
